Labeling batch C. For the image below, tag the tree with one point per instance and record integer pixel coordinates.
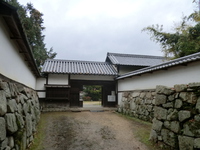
(185, 39)
(32, 22)
(93, 91)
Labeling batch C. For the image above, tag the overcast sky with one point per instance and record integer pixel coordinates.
(88, 29)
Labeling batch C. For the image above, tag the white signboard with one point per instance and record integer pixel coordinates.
(111, 98)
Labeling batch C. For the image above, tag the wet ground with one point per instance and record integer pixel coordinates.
(89, 131)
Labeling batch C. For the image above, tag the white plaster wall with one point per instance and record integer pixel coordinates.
(40, 83)
(40, 86)
(12, 64)
(119, 98)
(42, 94)
(58, 79)
(92, 77)
(170, 77)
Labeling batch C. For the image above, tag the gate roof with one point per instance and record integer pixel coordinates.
(134, 60)
(78, 67)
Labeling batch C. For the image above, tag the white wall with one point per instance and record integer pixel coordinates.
(170, 77)
(12, 64)
(58, 79)
(119, 98)
(92, 77)
(40, 88)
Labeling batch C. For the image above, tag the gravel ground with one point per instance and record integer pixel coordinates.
(89, 131)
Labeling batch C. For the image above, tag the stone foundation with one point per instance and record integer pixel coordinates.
(138, 104)
(176, 123)
(19, 115)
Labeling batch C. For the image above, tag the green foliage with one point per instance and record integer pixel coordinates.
(92, 91)
(185, 39)
(32, 22)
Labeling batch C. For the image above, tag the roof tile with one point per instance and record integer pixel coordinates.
(78, 67)
(178, 61)
(134, 60)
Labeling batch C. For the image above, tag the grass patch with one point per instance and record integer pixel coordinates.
(39, 136)
(141, 130)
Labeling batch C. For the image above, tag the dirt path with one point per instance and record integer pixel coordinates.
(89, 131)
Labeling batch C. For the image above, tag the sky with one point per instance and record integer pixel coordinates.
(88, 29)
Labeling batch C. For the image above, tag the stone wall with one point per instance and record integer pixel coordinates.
(176, 123)
(138, 104)
(19, 115)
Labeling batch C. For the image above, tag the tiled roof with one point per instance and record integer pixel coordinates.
(134, 60)
(175, 62)
(78, 67)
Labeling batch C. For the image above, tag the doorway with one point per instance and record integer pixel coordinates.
(91, 95)
(76, 91)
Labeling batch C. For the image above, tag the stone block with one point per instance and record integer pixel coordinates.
(149, 96)
(142, 94)
(19, 108)
(20, 121)
(7, 148)
(126, 94)
(20, 140)
(11, 141)
(27, 92)
(157, 125)
(13, 89)
(20, 87)
(154, 101)
(169, 137)
(197, 118)
(153, 136)
(171, 97)
(168, 105)
(175, 126)
(186, 143)
(178, 103)
(2, 129)
(29, 127)
(187, 130)
(172, 114)
(194, 84)
(167, 124)
(135, 94)
(149, 108)
(160, 99)
(5, 87)
(160, 113)
(11, 124)
(189, 97)
(3, 103)
(11, 106)
(25, 108)
(164, 90)
(4, 144)
(183, 115)
(180, 87)
(198, 105)
(197, 143)
(132, 105)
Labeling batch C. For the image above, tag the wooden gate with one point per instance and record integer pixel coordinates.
(75, 97)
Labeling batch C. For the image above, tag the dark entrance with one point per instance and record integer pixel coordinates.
(77, 87)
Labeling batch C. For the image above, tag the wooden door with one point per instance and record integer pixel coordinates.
(74, 97)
